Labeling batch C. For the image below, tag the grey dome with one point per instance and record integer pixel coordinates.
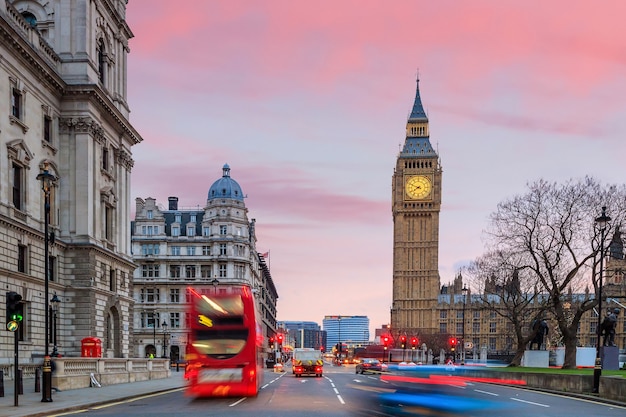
(225, 187)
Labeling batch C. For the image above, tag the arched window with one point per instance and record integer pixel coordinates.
(101, 60)
(30, 19)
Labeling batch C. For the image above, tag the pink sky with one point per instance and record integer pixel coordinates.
(307, 102)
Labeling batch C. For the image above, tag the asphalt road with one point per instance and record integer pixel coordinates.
(341, 392)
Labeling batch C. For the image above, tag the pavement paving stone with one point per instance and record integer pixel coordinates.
(30, 404)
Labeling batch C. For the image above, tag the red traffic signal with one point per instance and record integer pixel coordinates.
(385, 341)
(280, 338)
(452, 343)
(271, 343)
(414, 342)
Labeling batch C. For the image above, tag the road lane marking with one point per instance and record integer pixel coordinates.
(237, 402)
(332, 384)
(530, 402)
(487, 392)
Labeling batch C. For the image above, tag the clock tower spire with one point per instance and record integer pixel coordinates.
(416, 203)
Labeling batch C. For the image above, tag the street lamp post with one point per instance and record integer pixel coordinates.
(601, 222)
(154, 323)
(55, 302)
(339, 344)
(464, 291)
(47, 180)
(164, 325)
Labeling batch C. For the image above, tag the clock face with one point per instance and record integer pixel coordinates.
(418, 187)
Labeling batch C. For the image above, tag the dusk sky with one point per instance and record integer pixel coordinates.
(307, 101)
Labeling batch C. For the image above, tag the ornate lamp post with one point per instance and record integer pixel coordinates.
(464, 291)
(55, 302)
(47, 179)
(164, 325)
(601, 222)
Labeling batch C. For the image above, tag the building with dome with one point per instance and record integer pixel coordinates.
(177, 248)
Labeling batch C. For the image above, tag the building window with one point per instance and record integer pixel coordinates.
(193, 218)
(476, 327)
(177, 218)
(206, 231)
(22, 257)
(459, 328)
(101, 61)
(16, 103)
(223, 249)
(149, 249)
(175, 250)
(105, 158)
(240, 271)
(205, 271)
(149, 319)
(112, 279)
(206, 250)
(150, 271)
(492, 327)
(174, 271)
(108, 223)
(150, 230)
(190, 271)
(174, 295)
(175, 231)
(191, 250)
(223, 230)
(149, 295)
(492, 343)
(18, 186)
(443, 314)
(47, 128)
(149, 215)
(239, 231)
(52, 262)
(222, 270)
(175, 320)
(443, 328)
(191, 231)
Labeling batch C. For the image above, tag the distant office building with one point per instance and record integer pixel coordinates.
(304, 334)
(352, 331)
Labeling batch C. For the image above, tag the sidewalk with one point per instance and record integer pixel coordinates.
(30, 405)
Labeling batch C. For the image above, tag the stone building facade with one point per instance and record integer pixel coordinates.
(205, 248)
(63, 107)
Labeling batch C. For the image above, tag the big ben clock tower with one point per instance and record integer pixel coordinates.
(416, 203)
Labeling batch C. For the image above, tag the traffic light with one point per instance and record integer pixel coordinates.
(385, 341)
(414, 342)
(403, 341)
(279, 337)
(272, 343)
(15, 310)
(452, 344)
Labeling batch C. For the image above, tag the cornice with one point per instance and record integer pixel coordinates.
(93, 93)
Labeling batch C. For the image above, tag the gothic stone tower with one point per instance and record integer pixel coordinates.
(416, 203)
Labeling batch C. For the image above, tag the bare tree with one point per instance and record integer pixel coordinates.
(551, 233)
(509, 291)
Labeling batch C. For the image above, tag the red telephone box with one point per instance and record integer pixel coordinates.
(91, 347)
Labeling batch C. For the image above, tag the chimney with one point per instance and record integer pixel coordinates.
(173, 203)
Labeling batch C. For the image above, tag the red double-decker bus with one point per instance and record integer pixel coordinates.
(224, 349)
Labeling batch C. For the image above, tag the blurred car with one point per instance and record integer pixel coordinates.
(368, 365)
